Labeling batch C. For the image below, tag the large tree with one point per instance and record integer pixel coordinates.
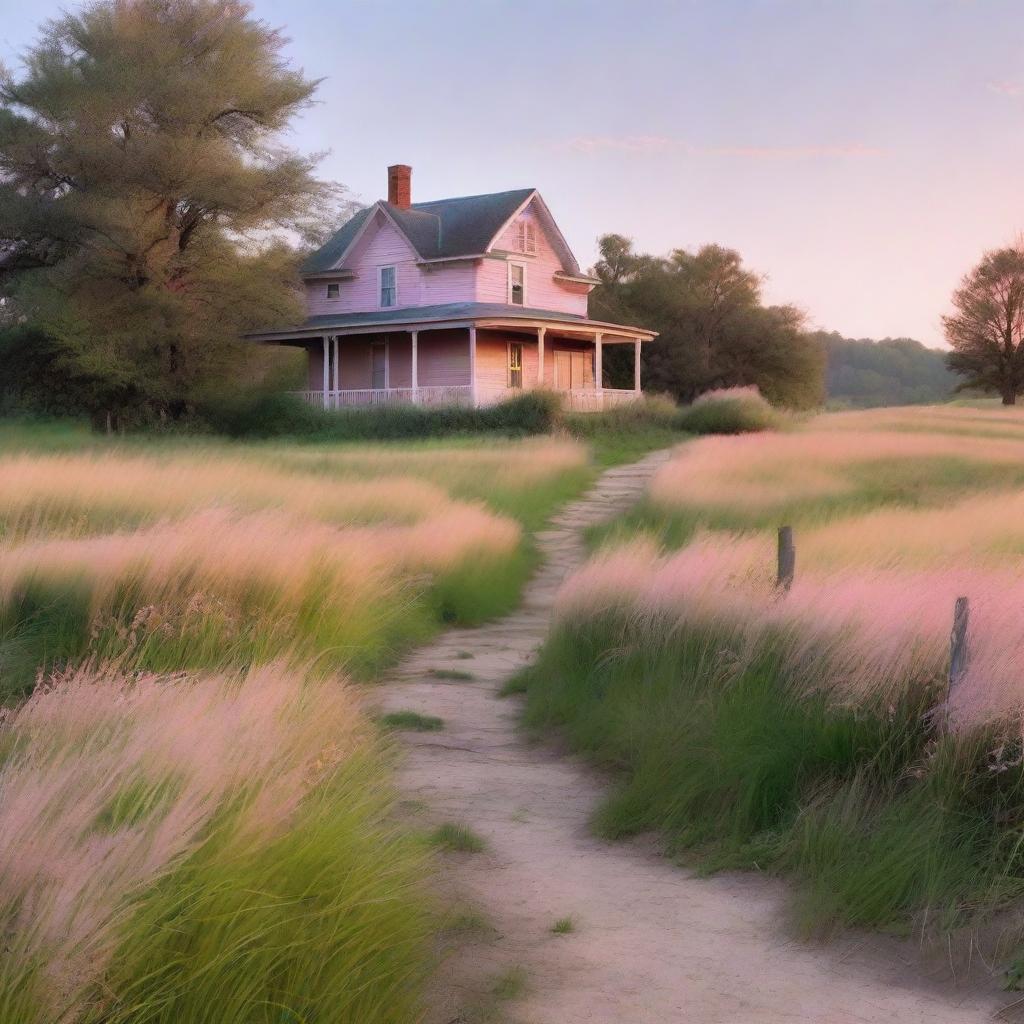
(145, 197)
(986, 328)
(713, 329)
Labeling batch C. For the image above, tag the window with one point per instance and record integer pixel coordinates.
(515, 366)
(517, 284)
(388, 287)
(332, 290)
(526, 236)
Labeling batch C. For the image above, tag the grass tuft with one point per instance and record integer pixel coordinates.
(412, 720)
(563, 926)
(459, 838)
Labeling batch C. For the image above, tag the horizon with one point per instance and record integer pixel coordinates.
(777, 129)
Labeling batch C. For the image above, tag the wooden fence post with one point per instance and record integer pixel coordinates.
(787, 558)
(958, 644)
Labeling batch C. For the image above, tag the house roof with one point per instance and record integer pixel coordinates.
(447, 312)
(442, 229)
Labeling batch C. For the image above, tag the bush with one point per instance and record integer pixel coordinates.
(281, 415)
(728, 411)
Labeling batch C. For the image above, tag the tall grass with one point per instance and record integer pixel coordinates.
(812, 732)
(194, 849)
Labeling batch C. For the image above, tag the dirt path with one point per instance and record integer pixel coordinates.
(652, 943)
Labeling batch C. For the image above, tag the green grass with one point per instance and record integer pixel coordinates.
(563, 926)
(324, 921)
(510, 984)
(412, 720)
(879, 819)
(458, 838)
(452, 674)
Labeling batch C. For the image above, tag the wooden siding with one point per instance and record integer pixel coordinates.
(444, 357)
(382, 245)
(542, 290)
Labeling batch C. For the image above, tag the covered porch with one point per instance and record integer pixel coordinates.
(475, 362)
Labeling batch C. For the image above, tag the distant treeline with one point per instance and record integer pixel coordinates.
(895, 371)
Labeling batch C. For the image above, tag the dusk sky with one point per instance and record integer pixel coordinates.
(859, 153)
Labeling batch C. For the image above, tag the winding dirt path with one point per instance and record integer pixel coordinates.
(652, 942)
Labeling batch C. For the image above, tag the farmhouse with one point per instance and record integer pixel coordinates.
(454, 301)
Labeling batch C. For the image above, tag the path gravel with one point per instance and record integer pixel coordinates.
(652, 942)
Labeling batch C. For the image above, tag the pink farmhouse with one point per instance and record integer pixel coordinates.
(455, 301)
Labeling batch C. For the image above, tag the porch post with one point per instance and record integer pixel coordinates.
(472, 364)
(598, 363)
(415, 366)
(337, 375)
(636, 366)
(327, 367)
(541, 331)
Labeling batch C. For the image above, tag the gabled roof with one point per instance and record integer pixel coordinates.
(463, 227)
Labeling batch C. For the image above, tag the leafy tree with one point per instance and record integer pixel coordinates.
(893, 371)
(144, 195)
(986, 329)
(713, 329)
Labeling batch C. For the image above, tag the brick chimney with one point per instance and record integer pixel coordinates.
(400, 185)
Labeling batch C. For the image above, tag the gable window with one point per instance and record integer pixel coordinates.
(515, 366)
(388, 287)
(526, 236)
(333, 289)
(517, 284)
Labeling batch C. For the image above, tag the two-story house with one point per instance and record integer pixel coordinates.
(454, 301)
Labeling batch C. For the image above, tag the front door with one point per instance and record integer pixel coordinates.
(379, 365)
(515, 365)
(574, 371)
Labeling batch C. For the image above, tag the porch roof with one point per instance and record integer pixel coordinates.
(452, 314)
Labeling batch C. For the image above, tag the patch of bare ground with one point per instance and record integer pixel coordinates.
(650, 941)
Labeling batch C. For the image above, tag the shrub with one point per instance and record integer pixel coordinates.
(281, 415)
(728, 411)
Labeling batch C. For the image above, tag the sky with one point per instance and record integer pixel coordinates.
(861, 154)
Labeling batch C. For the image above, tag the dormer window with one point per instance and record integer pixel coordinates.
(516, 284)
(388, 287)
(526, 237)
(333, 290)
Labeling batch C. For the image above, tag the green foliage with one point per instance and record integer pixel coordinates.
(141, 182)
(324, 921)
(986, 329)
(741, 764)
(413, 720)
(273, 414)
(713, 330)
(457, 837)
(895, 371)
(563, 926)
(731, 412)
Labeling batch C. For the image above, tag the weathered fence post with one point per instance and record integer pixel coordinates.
(787, 558)
(958, 644)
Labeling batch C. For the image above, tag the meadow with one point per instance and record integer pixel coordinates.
(815, 732)
(196, 822)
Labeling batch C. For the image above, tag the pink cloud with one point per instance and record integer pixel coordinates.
(1006, 88)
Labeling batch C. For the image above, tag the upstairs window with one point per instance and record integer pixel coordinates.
(516, 284)
(388, 287)
(333, 290)
(526, 237)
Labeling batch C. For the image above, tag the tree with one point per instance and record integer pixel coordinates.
(144, 194)
(713, 330)
(987, 326)
(894, 371)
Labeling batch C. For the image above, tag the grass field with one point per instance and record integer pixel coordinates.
(195, 819)
(809, 732)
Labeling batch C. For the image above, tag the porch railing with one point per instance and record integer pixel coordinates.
(578, 400)
(453, 395)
